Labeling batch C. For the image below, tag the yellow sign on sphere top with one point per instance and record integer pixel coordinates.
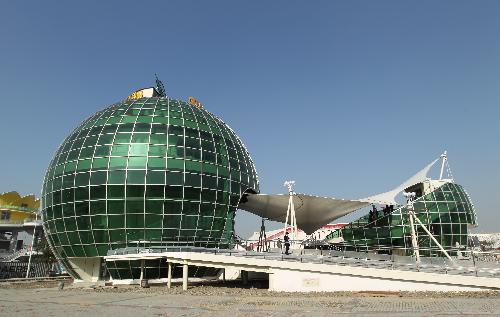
(193, 101)
(143, 93)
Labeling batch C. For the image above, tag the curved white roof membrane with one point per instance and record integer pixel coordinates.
(313, 212)
(389, 198)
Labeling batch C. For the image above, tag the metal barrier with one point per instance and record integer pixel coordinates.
(11, 256)
(463, 266)
(19, 269)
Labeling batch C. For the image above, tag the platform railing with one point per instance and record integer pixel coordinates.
(460, 266)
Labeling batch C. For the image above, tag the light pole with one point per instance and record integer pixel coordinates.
(31, 247)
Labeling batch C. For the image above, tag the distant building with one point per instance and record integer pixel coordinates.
(17, 223)
(485, 241)
(302, 238)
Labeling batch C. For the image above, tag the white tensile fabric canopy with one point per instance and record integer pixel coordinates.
(313, 212)
(389, 198)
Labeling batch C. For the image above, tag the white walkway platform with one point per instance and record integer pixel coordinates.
(319, 273)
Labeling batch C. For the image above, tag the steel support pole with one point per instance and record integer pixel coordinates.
(224, 275)
(434, 239)
(414, 241)
(185, 276)
(169, 275)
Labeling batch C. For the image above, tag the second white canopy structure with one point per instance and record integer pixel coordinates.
(313, 212)
(389, 198)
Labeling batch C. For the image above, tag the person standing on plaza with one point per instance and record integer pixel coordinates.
(286, 238)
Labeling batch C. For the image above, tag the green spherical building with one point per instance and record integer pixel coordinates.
(145, 171)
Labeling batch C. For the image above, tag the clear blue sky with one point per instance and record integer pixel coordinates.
(347, 98)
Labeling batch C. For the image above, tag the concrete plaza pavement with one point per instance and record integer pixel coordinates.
(202, 301)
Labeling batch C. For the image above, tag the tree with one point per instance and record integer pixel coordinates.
(43, 247)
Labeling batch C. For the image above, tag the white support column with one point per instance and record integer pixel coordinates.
(414, 241)
(185, 276)
(271, 280)
(142, 270)
(169, 275)
(411, 214)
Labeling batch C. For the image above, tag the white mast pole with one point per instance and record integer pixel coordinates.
(444, 157)
(293, 219)
(290, 213)
(287, 216)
